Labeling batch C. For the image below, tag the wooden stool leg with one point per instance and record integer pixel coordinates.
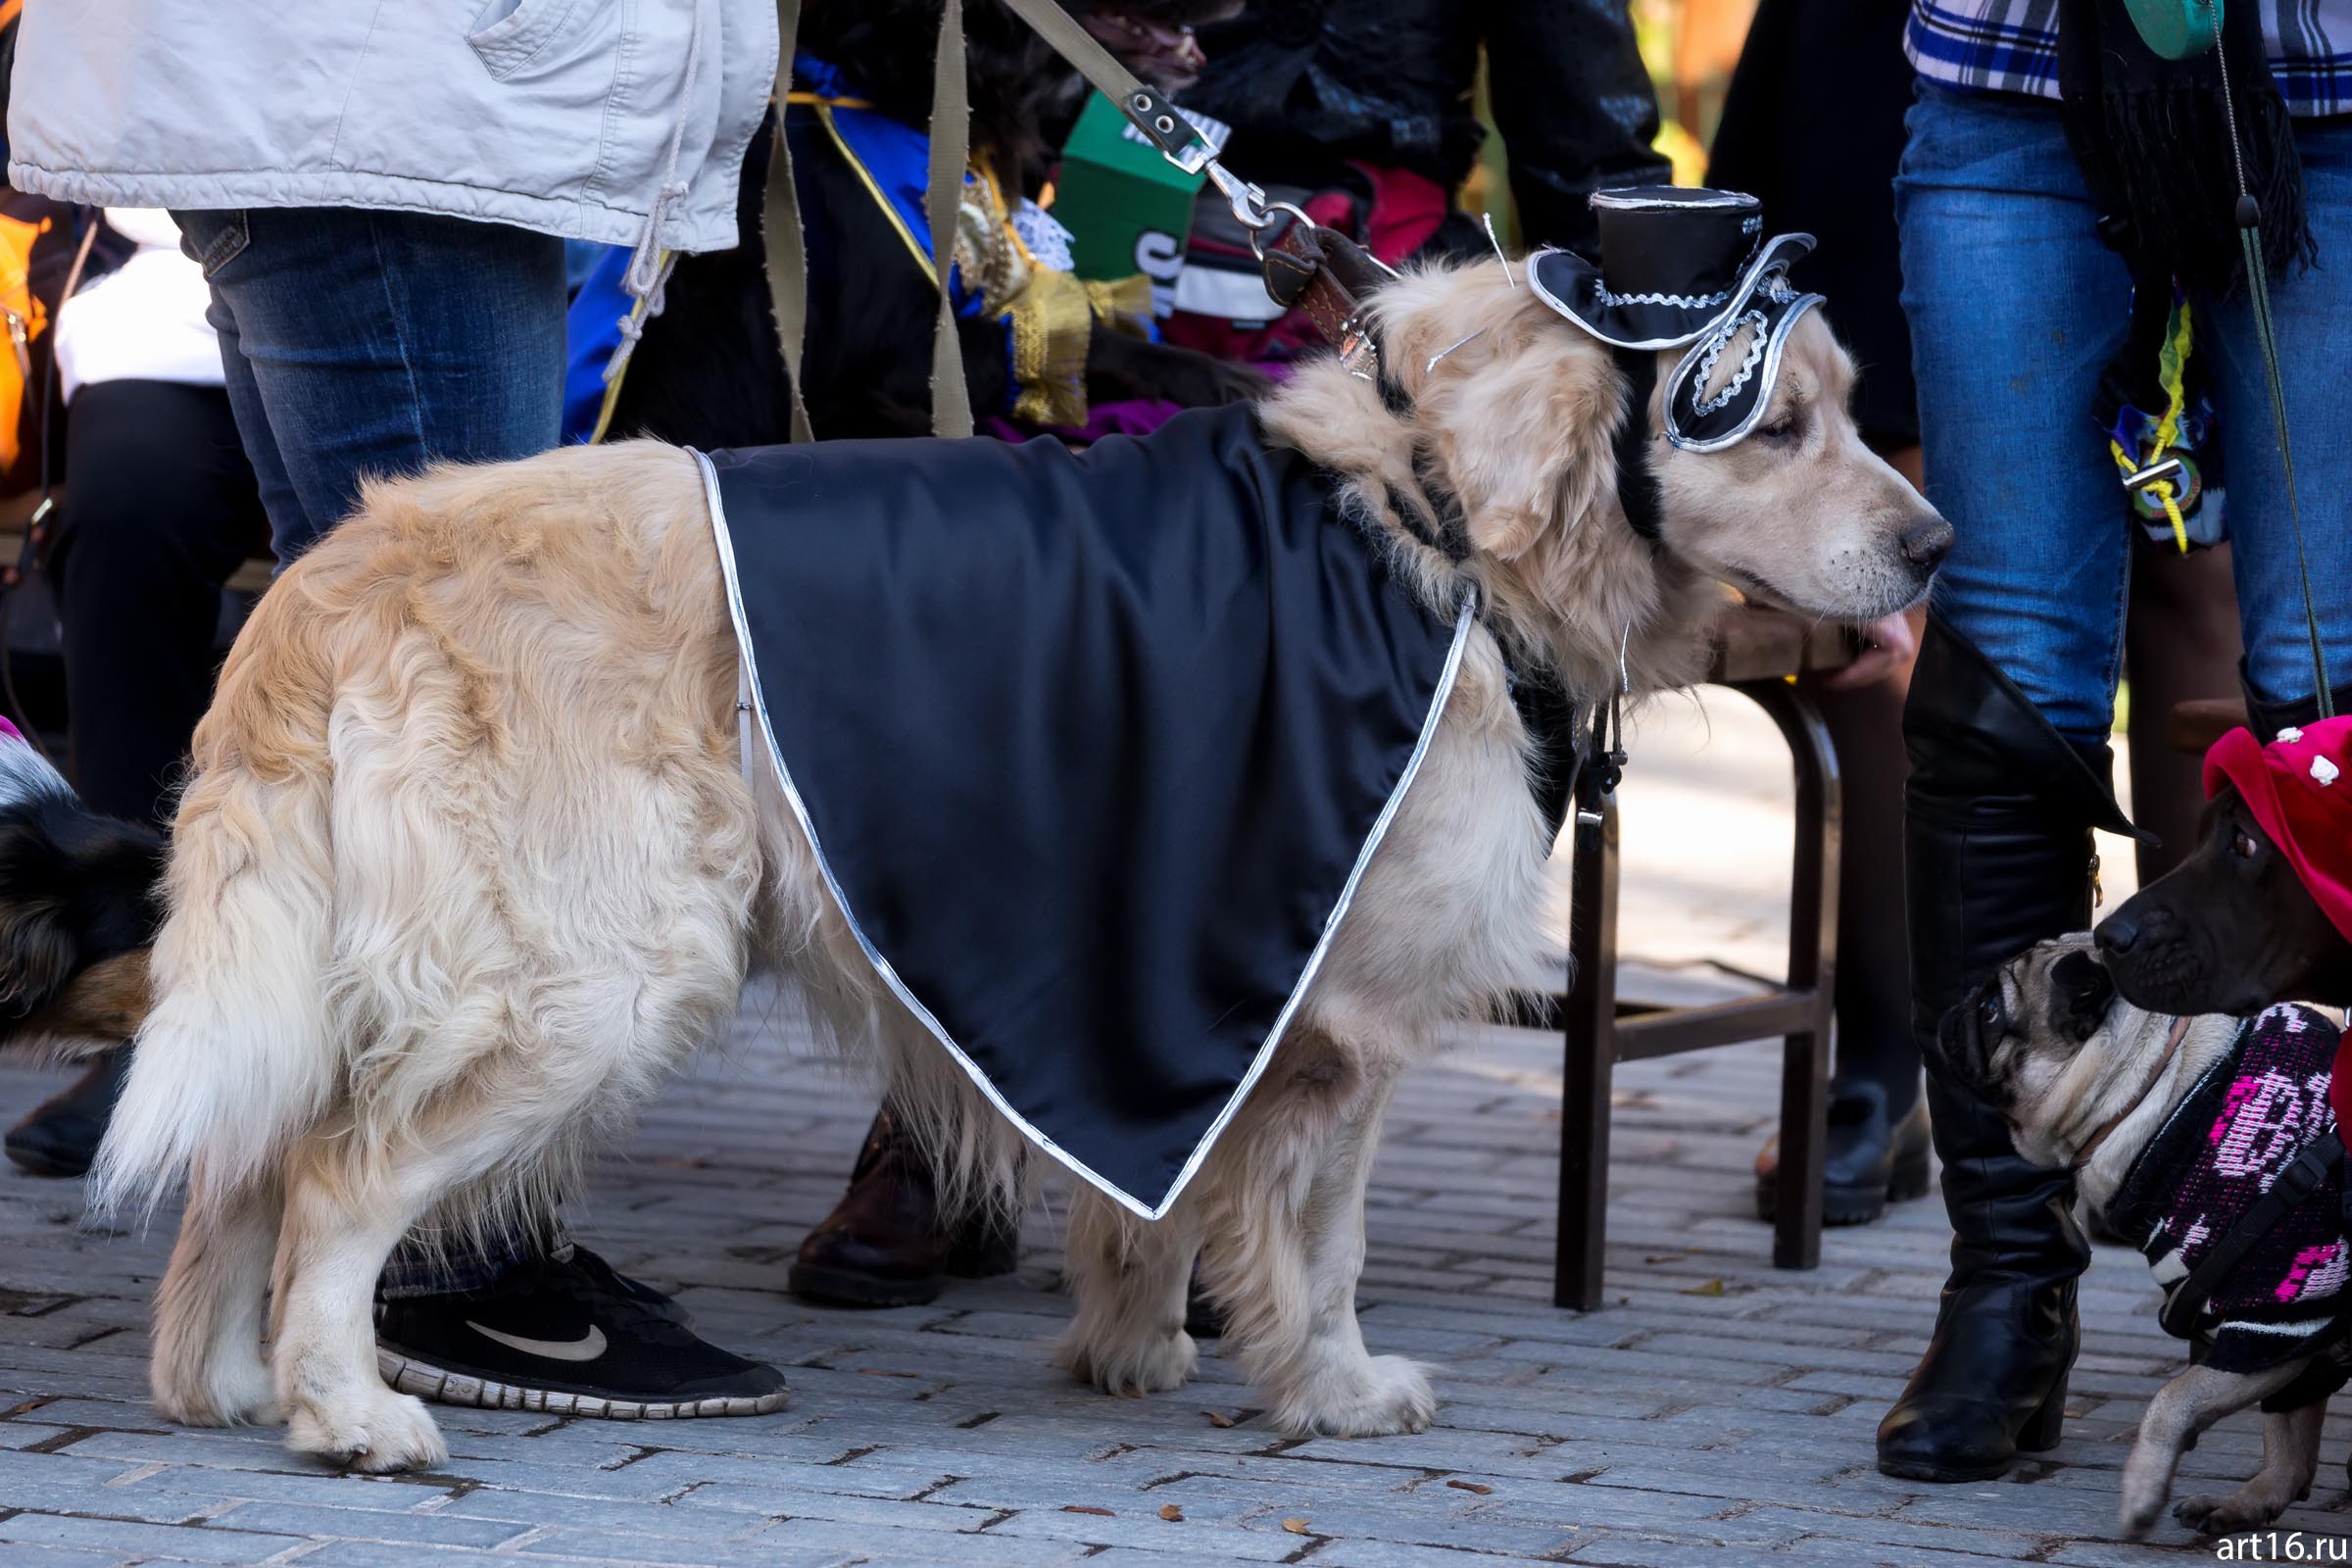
(1591, 1059)
(1812, 968)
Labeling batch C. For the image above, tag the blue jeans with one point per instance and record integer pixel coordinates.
(363, 343)
(2015, 306)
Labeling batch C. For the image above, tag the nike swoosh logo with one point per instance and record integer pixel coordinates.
(587, 1347)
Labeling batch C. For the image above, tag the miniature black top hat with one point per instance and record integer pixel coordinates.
(1685, 265)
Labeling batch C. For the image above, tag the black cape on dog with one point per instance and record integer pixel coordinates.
(1093, 749)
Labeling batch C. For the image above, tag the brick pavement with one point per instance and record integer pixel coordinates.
(1716, 1411)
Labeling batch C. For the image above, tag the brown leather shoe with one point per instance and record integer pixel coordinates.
(886, 1243)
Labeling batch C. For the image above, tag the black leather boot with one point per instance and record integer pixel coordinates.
(2267, 717)
(61, 1136)
(1871, 1160)
(1998, 857)
(887, 1243)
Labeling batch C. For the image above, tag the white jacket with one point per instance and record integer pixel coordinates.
(553, 115)
(144, 321)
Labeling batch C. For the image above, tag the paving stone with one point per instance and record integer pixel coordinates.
(125, 1538)
(1715, 1411)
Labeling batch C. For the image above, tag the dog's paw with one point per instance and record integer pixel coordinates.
(227, 1392)
(1150, 1363)
(2229, 1516)
(2138, 1515)
(1380, 1397)
(377, 1431)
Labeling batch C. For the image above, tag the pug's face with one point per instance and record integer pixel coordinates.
(2034, 1042)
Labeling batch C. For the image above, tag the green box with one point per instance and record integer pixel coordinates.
(1127, 208)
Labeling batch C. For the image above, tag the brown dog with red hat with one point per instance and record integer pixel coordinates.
(2261, 911)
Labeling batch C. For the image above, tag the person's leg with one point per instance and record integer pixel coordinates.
(889, 1242)
(2309, 309)
(1874, 961)
(1878, 1131)
(364, 344)
(1874, 967)
(2180, 642)
(160, 510)
(2014, 308)
(370, 343)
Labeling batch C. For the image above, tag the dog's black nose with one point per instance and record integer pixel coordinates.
(1927, 542)
(2120, 932)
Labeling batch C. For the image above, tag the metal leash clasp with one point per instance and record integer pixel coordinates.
(1247, 201)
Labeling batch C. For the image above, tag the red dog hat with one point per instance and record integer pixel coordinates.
(2300, 788)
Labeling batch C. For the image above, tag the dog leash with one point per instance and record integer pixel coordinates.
(1316, 269)
(1328, 278)
(2258, 293)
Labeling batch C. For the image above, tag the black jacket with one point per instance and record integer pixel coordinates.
(1307, 83)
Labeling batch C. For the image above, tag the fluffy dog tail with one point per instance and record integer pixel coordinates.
(236, 1060)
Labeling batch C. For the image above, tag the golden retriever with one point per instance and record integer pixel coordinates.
(468, 863)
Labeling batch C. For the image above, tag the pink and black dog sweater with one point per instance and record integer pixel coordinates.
(2248, 1120)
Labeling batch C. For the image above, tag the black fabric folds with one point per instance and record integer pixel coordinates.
(1092, 747)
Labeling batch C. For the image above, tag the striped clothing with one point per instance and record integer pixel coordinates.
(2012, 46)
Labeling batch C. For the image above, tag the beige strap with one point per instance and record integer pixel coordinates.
(780, 229)
(951, 153)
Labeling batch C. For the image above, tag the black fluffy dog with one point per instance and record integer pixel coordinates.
(708, 371)
(78, 910)
(2231, 929)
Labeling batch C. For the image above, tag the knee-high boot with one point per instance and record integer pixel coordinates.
(1998, 857)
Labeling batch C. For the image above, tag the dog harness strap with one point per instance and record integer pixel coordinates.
(1555, 726)
(943, 200)
(1154, 119)
(1637, 487)
(2185, 1304)
(786, 246)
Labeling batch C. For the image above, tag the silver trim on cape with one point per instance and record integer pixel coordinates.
(750, 676)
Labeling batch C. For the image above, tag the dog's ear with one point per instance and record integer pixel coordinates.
(1523, 422)
(76, 888)
(37, 955)
(2081, 992)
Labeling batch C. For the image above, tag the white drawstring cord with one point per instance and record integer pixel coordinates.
(650, 265)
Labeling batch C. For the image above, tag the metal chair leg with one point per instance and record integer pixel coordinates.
(1812, 967)
(1590, 1060)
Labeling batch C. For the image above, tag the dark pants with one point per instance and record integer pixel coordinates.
(160, 508)
(365, 344)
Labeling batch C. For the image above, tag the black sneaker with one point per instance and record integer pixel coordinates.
(570, 1336)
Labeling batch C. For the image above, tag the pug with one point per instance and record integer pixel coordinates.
(2177, 1127)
